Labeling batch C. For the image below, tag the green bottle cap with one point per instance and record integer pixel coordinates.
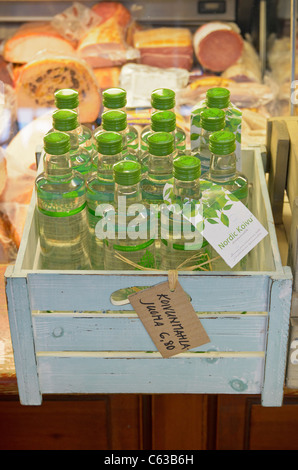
(109, 143)
(161, 143)
(56, 143)
(187, 168)
(67, 98)
(163, 121)
(127, 172)
(115, 120)
(213, 119)
(65, 120)
(114, 98)
(163, 99)
(222, 143)
(218, 97)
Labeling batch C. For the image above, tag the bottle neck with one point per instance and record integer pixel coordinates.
(160, 168)
(222, 167)
(105, 165)
(57, 167)
(187, 189)
(123, 133)
(170, 132)
(204, 139)
(130, 194)
(153, 110)
(106, 108)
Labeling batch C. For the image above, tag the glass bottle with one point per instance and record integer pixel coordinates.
(66, 120)
(212, 120)
(61, 201)
(164, 121)
(158, 164)
(67, 98)
(223, 172)
(116, 120)
(100, 191)
(181, 244)
(130, 245)
(162, 99)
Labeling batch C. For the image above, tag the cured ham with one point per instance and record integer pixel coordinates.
(165, 47)
(217, 45)
(32, 38)
(103, 45)
(107, 10)
(38, 81)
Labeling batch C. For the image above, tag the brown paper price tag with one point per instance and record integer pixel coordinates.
(169, 318)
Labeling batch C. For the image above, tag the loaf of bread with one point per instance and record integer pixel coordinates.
(38, 80)
(31, 38)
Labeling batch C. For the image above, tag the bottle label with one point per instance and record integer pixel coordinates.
(223, 220)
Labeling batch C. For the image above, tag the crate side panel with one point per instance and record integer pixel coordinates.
(139, 375)
(71, 333)
(91, 292)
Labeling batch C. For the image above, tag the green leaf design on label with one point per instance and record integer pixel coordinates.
(194, 136)
(232, 197)
(228, 207)
(212, 221)
(224, 219)
(200, 226)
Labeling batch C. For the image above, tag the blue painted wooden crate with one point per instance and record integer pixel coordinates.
(69, 337)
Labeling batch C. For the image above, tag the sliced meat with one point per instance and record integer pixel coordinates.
(32, 38)
(103, 45)
(165, 47)
(107, 10)
(217, 46)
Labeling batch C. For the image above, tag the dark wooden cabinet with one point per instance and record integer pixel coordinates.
(148, 422)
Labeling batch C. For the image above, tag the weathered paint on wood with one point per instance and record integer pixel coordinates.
(87, 292)
(114, 333)
(277, 340)
(20, 321)
(152, 375)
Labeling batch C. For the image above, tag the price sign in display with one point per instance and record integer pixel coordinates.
(169, 318)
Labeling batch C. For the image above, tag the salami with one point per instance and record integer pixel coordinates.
(217, 45)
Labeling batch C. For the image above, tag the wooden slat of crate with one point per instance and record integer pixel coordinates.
(110, 332)
(279, 145)
(149, 373)
(293, 244)
(91, 292)
(292, 179)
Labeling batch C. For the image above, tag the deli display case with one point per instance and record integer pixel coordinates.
(67, 325)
